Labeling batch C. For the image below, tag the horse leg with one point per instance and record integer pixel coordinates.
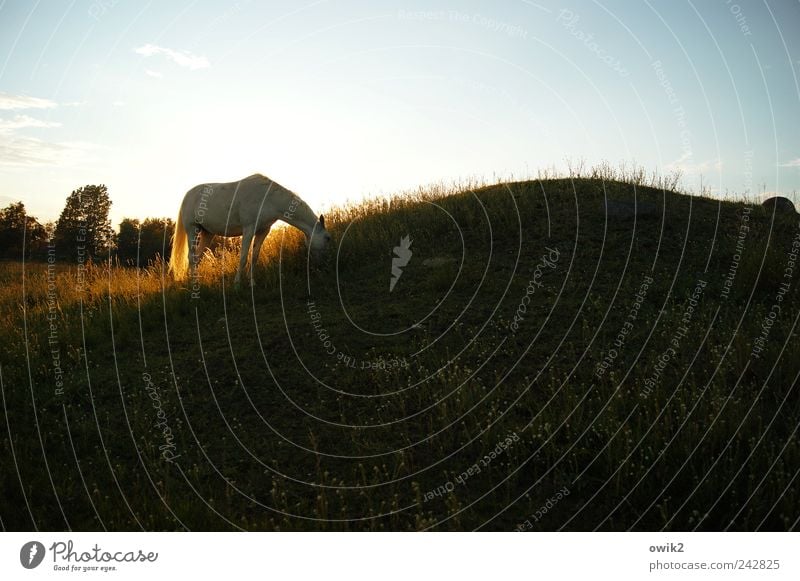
(259, 240)
(247, 239)
(203, 242)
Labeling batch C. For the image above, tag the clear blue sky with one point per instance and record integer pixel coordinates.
(341, 99)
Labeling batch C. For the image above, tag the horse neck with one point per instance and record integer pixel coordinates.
(303, 217)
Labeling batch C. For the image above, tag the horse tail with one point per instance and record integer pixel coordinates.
(179, 259)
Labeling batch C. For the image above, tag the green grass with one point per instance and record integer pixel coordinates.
(274, 429)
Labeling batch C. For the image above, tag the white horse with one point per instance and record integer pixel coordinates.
(247, 208)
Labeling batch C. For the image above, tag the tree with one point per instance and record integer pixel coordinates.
(128, 240)
(156, 239)
(144, 241)
(16, 229)
(84, 228)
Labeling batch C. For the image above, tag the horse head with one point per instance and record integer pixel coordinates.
(320, 238)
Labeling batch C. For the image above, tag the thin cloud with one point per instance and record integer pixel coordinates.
(10, 102)
(154, 74)
(791, 163)
(23, 122)
(685, 164)
(20, 151)
(181, 58)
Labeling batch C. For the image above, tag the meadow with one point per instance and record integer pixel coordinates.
(538, 365)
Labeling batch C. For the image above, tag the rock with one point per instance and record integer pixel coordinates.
(779, 204)
(624, 209)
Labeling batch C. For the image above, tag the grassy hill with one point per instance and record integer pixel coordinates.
(538, 365)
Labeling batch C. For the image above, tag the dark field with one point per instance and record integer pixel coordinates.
(537, 366)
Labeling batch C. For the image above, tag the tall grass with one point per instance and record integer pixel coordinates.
(273, 431)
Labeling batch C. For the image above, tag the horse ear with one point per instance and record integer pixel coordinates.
(322, 221)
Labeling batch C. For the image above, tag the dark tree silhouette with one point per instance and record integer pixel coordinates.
(128, 240)
(146, 240)
(16, 229)
(84, 228)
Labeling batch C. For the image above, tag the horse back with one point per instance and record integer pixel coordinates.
(226, 208)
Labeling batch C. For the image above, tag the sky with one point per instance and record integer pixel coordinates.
(338, 100)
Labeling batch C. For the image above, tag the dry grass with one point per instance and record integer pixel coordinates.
(316, 467)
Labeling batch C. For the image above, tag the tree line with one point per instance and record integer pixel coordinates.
(83, 232)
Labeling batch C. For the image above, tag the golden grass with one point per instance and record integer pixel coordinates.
(42, 288)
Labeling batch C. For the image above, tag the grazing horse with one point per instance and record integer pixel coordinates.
(247, 208)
